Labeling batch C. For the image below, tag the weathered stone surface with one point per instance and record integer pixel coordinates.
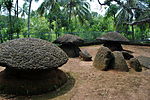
(69, 44)
(144, 61)
(71, 50)
(119, 62)
(135, 64)
(127, 55)
(113, 36)
(113, 40)
(31, 54)
(69, 39)
(85, 56)
(103, 59)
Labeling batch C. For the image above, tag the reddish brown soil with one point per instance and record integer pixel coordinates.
(93, 84)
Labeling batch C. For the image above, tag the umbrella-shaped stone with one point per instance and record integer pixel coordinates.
(69, 43)
(113, 40)
(31, 66)
(69, 39)
(31, 54)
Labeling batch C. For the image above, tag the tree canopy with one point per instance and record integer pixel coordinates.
(56, 17)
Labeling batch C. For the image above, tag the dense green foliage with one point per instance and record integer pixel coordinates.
(57, 17)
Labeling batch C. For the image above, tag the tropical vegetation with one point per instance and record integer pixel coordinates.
(57, 17)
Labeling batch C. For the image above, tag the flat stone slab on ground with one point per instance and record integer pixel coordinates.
(144, 61)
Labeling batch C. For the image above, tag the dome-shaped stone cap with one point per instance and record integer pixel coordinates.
(31, 54)
(68, 38)
(113, 36)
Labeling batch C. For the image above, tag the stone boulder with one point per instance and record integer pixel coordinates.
(85, 56)
(31, 66)
(135, 64)
(113, 40)
(31, 54)
(113, 36)
(127, 55)
(69, 44)
(69, 39)
(144, 61)
(103, 59)
(119, 62)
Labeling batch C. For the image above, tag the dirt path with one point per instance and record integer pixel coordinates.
(92, 84)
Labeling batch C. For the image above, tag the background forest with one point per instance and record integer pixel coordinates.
(57, 17)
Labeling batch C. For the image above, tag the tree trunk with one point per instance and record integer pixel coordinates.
(29, 18)
(1, 37)
(114, 19)
(10, 37)
(17, 7)
(17, 16)
(70, 17)
(133, 32)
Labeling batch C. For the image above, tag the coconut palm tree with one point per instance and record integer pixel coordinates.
(29, 11)
(112, 11)
(137, 10)
(8, 5)
(24, 9)
(51, 10)
(78, 9)
(130, 10)
(1, 4)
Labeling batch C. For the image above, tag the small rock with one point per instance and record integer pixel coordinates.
(85, 56)
(119, 62)
(135, 64)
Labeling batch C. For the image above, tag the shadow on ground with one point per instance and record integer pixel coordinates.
(49, 95)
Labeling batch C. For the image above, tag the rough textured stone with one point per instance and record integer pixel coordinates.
(127, 55)
(113, 40)
(113, 36)
(71, 50)
(85, 56)
(69, 44)
(103, 59)
(135, 64)
(68, 38)
(31, 54)
(119, 62)
(144, 61)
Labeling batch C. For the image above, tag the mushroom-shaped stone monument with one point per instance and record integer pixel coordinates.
(113, 40)
(69, 43)
(31, 66)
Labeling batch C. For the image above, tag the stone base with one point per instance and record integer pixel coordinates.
(31, 84)
(71, 50)
(113, 46)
